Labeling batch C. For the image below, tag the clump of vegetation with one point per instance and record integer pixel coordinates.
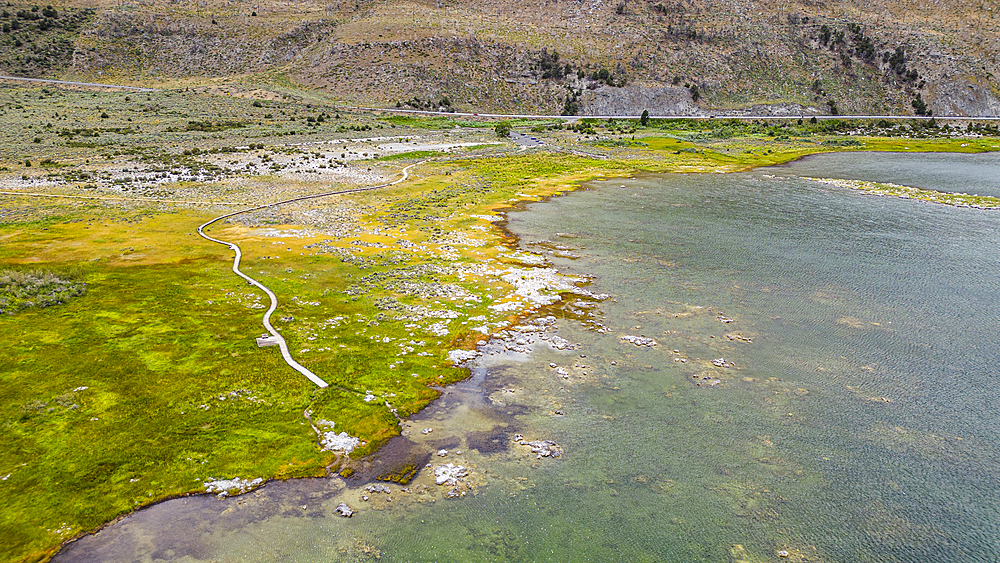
(442, 105)
(551, 67)
(39, 40)
(695, 94)
(20, 290)
(502, 129)
(572, 104)
(617, 79)
(920, 106)
(211, 127)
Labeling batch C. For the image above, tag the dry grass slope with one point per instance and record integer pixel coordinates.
(671, 56)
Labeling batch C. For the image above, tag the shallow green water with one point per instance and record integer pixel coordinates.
(858, 423)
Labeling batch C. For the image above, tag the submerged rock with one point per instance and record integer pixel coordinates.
(344, 510)
(541, 448)
(640, 340)
(378, 488)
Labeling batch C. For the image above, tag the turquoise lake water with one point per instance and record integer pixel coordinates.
(853, 415)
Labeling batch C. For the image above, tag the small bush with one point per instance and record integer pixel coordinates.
(20, 290)
(502, 129)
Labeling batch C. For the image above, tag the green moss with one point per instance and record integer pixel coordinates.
(416, 155)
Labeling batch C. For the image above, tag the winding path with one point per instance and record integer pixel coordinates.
(270, 294)
(71, 83)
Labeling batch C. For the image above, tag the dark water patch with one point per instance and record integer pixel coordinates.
(496, 440)
(397, 461)
(184, 528)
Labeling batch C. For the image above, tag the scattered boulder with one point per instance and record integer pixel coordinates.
(235, 486)
(640, 340)
(541, 448)
(344, 510)
(332, 441)
(449, 474)
(378, 488)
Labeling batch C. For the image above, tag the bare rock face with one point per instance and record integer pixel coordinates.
(633, 98)
(961, 98)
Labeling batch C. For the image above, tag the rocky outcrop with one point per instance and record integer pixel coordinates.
(634, 98)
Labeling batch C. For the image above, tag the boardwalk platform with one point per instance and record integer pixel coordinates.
(267, 340)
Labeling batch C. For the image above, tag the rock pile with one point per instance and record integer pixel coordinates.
(235, 486)
(640, 340)
(541, 448)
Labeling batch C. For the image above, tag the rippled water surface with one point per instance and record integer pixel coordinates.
(966, 173)
(854, 418)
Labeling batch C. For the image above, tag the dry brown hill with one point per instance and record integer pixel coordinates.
(588, 56)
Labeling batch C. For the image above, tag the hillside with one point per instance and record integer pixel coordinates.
(683, 56)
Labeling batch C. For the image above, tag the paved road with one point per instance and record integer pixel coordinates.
(525, 141)
(71, 83)
(270, 294)
(539, 116)
(666, 116)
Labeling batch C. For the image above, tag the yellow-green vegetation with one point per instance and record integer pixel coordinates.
(150, 384)
(137, 390)
(735, 154)
(413, 155)
(909, 192)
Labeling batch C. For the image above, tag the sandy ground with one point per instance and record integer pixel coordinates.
(242, 176)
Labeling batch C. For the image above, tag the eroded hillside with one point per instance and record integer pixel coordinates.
(618, 57)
